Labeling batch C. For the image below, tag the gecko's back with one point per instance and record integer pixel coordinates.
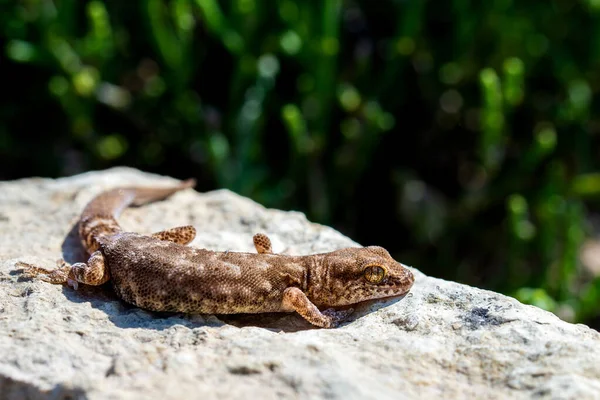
(165, 276)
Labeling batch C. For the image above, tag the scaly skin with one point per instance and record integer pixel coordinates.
(159, 273)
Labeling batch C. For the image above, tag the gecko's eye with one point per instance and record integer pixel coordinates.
(374, 273)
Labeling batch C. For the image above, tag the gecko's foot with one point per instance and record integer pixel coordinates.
(182, 234)
(56, 276)
(65, 268)
(337, 316)
(262, 243)
(31, 271)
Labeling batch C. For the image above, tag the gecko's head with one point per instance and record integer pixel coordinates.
(357, 274)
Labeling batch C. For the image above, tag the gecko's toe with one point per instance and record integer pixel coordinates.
(73, 283)
(23, 266)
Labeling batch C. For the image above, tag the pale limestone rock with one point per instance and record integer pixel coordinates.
(443, 340)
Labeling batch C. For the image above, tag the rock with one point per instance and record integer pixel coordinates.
(443, 340)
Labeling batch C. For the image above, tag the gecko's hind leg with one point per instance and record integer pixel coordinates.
(181, 234)
(262, 243)
(94, 272)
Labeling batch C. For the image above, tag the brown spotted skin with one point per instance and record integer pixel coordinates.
(199, 280)
(181, 234)
(166, 276)
(98, 222)
(262, 243)
(159, 273)
(99, 217)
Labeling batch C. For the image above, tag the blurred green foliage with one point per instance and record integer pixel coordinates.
(461, 135)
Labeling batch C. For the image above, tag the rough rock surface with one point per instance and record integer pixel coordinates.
(443, 340)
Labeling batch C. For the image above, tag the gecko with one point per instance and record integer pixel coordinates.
(159, 272)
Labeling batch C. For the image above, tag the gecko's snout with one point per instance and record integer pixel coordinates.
(408, 277)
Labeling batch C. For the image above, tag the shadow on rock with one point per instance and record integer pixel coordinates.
(11, 388)
(72, 250)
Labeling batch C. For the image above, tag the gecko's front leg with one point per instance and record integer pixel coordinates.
(94, 272)
(296, 299)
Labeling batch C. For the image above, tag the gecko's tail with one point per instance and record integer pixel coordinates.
(99, 218)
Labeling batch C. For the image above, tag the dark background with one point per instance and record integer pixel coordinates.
(461, 135)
